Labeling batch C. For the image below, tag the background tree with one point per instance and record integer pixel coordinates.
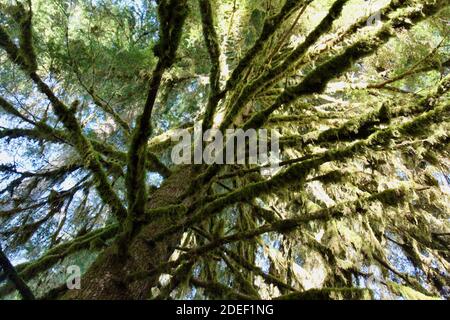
(90, 95)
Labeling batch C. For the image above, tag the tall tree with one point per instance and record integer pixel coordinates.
(92, 94)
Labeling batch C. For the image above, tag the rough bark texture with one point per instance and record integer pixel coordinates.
(104, 279)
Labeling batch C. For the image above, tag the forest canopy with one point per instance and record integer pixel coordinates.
(93, 92)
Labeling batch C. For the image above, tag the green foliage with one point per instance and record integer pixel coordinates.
(91, 94)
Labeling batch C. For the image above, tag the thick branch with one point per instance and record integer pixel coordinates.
(216, 288)
(329, 294)
(81, 143)
(172, 15)
(390, 197)
(11, 273)
(29, 270)
(251, 89)
(316, 80)
(297, 173)
(271, 25)
(212, 44)
(362, 127)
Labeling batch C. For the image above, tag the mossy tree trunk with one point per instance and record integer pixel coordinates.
(107, 277)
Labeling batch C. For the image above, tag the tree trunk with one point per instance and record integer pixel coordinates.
(103, 280)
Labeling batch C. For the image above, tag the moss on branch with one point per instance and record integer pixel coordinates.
(18, 282)
(172, 14)
(330, 294)
(316, 80)
(296, 174)
(249, 90)
(30, 270)
(212, 44)
(25, 55)
(218, 289)
(271, 25)
(81, 143)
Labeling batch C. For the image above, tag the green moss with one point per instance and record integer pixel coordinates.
(218, 289)
(268, 277)
(335, 176)
(422, 123)
(409, 293)
(270, 26)
(25, 53)
(316, 80)
(30, 270)
(330, 294)
(251, 89)
(172, 212)
(26, 40)
(97, 244)
(172, 15)
(212, 44)
(12, 50)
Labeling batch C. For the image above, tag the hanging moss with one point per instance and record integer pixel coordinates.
(181, 275)
(252, 88)
(9, 108)
(26, 38)
(270, 278)
(89, 156)
(12, 50)
(335, 176)
(316, 80)
(338, 240)
(270, 26)
(29, 270)
(218, 289)
(355, 27)
(330, 294)
(245, 285)
(172, 14)
(26, 50)
(354, 129)
(409, 293)
(421, 124)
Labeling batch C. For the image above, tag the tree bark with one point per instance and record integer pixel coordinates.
(104, 279)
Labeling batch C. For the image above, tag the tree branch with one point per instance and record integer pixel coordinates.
(81, 143)
(11, 273)
(212, 44)
(251, 89)
(296, 174)
(271, 25)
(316, 80)
(172, 14)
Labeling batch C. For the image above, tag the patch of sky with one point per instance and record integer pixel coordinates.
(398, 258)
(403, 264)
(274, 243)
(154, 179)
(261, 260)
(373, 272)
(443, 180)
(402, 175)
(299, 260)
